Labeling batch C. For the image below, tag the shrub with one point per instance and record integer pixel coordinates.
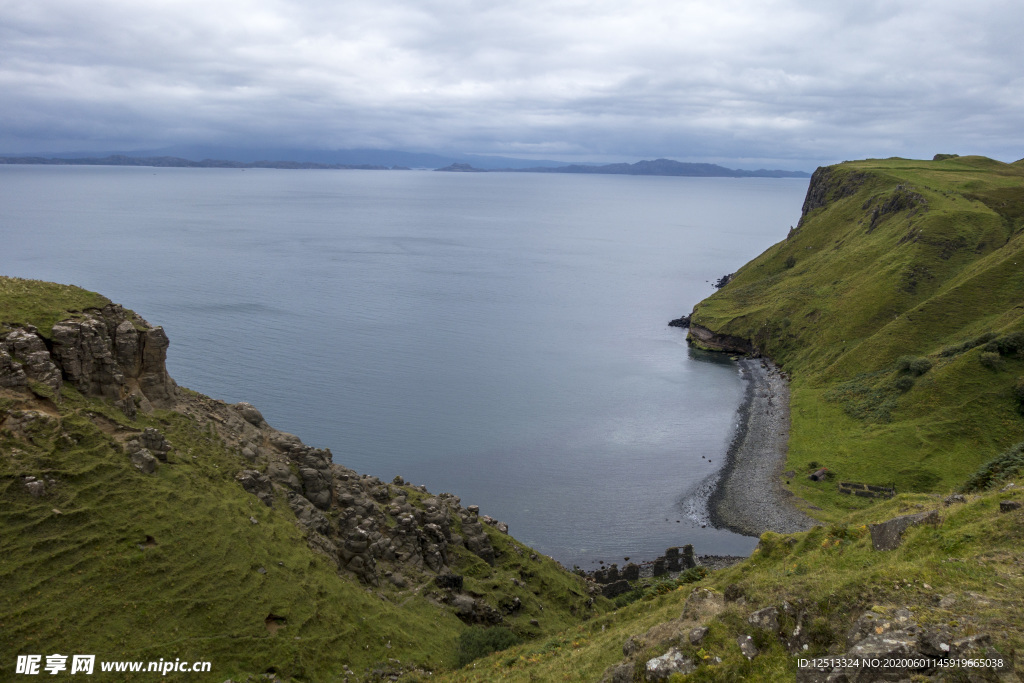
(692, 575)
(1005, 465)
(956, 349)
(903, 384)
(790, 261)
(990, 360)
(915, 365)
(477, 642)
(1010, 343)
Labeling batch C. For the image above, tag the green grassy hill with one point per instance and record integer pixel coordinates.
(897, 306)
(101, 558)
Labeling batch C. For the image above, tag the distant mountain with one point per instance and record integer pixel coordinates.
(668, 167)
(374, 159)
(338, 158)
(461, 168)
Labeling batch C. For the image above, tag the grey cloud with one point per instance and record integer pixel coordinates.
(784, 80)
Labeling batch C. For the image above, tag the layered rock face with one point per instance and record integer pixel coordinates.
(719, 342)
(109, 353)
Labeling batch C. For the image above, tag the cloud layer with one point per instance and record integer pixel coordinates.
(784, 82)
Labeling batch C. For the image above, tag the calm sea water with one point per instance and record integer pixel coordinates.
(500, 336)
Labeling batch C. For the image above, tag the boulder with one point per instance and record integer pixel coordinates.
(282, 474)
(672, 662)
(697, 635)
(633, 645)
(452, 582)
(143, 461)
(35, 487)
(766, 619)
(473, 611)
(155, 443)
(618, 673)
(249, 413)
(702, 603)
(747, 647)
(889, 535)
(308, 516)
(258, 485)
(615, 589)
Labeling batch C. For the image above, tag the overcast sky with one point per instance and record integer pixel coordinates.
(777, 83)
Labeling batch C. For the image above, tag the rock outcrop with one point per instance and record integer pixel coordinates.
(109, 353)
(705, 338)
(365, 526)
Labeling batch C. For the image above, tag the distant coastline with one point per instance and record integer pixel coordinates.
(657, 167)
(178, 162)
(668, 167)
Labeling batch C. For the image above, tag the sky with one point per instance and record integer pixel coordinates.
(770, 83)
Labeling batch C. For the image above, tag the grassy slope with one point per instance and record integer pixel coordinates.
(74, 579)
(855, 298)
(832, 574)
(838, 319)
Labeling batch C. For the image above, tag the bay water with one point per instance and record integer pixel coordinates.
(501, 336)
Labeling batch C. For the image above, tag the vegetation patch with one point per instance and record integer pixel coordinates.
(32, 302)
(1008, 464)
(477, 642)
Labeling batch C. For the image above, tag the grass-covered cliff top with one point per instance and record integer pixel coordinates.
(33, 302)
(897, 305)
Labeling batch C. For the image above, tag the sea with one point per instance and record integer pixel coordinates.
(499, 336)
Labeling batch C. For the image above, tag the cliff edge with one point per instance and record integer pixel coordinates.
(201, 524)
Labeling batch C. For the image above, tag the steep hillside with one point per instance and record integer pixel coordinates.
(142, 521)
(897, 306)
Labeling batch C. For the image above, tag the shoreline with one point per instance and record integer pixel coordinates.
(748, 496)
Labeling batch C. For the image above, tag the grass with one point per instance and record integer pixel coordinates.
(79, 577)
(43, 303)
(129, 566)
(828, 577)
(881, 319)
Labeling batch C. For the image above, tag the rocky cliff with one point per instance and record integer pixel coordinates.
(109, 353)
(375, 530)
(702, 337)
